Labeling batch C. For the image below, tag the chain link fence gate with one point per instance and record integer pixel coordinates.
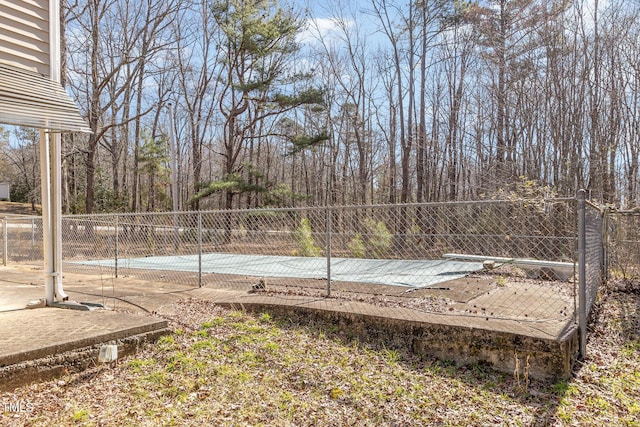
(591, 261)
(509, 259)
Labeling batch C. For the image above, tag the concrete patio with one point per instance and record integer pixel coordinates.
(41, 343)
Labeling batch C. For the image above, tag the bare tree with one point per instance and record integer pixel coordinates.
(454, 100)
(386, 14)
(197, 79)
(23, 159)
(108, 60)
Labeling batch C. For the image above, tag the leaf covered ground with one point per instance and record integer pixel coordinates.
(16, 208)
(231, 368)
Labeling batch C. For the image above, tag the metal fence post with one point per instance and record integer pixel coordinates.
(582, 274)
(328, 251)
(176, 232)
(4, 241)
(199, 249)
(116, 244)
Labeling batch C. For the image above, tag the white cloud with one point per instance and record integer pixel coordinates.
(328, 29)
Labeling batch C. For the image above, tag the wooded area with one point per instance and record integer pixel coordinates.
(206, 104)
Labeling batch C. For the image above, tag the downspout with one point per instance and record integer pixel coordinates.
(51, 171)
(47, 241)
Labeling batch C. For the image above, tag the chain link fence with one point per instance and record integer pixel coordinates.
(594, 253)
(492, 259)
(623, 245)
(21, 239)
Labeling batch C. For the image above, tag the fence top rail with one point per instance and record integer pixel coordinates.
(594, 206)
(630, 212)
(331, 207)
(20, 216)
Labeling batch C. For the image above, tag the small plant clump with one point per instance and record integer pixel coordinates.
(376, 243)
(304, 237)
(380, 238)
(357, 247)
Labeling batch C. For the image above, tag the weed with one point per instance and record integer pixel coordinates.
(391, 356)
(630, 349)
(202, 333)
(597, 402)
(138, 366)
(80, 416)
(561, 387)
(166, 340)
(203, 345)
(271, 347)
(206, 325)
(265, 318)
(336, 393)
(166, 345)
(251, 372)
(157, 377)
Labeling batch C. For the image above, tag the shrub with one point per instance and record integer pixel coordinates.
(380, 238)
(304, 236)
(356, 246)
(378, 242)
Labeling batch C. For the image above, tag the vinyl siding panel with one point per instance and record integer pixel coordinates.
(28, 98)
(24, 34)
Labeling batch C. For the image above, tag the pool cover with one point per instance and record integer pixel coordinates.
(411, 273)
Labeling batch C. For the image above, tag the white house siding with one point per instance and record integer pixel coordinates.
(24, 34)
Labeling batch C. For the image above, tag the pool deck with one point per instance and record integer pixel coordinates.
(136, 311)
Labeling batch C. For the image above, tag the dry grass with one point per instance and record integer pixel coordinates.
(231, 368)
(16, 208)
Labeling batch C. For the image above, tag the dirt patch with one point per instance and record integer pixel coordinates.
(503, 294)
